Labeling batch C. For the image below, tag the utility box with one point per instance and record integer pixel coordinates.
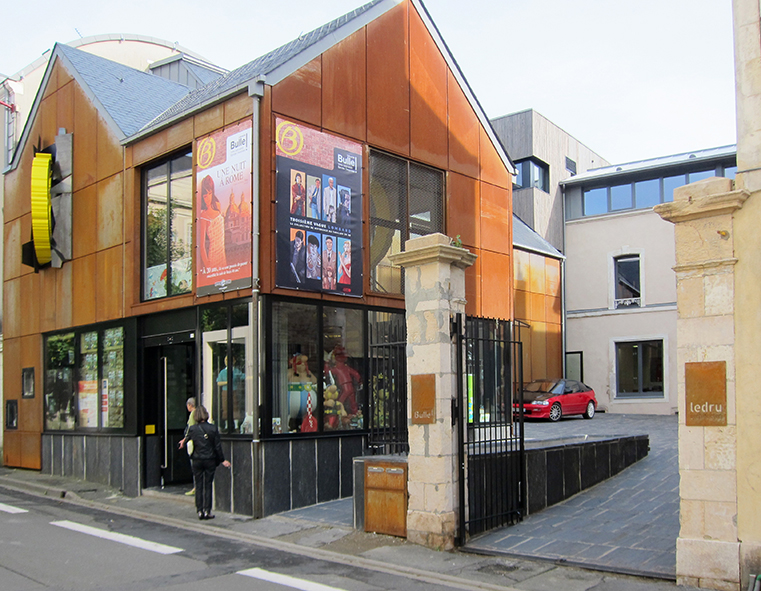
(386, 497)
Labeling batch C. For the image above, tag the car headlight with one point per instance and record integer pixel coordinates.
(542, 402)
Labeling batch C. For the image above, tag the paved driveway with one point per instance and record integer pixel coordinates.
(627, 524)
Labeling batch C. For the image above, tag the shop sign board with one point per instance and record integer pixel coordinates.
(706, 394)
(223, 210)
(319, 211)
(423, 394)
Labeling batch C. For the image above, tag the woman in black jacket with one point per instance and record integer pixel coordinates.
(207, 455)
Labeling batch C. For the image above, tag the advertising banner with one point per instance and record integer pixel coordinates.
(223, 207)
(319, 211)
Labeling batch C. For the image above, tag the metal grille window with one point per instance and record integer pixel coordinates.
(167, 222)
(406, 201)
(627, 282)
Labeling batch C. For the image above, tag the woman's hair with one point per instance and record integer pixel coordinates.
(201, 414)
(207, 186)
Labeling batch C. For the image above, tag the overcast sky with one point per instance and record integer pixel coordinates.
(630, 79)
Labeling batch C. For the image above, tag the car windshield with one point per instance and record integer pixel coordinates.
(541, 386)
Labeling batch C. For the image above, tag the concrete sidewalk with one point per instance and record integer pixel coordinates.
(324, 531)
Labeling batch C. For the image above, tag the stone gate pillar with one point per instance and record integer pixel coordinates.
(434, 279)
(703, 213)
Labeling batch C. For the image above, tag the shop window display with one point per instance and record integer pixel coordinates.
(228, 367)
(60, 401)
(318, 376)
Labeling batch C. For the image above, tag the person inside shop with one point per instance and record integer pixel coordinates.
(298, 257)
(207, 455)
(298, 193)
(185, 441)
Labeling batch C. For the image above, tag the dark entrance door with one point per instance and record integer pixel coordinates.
(169, 380)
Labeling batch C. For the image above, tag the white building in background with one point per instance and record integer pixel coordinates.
(621, 307)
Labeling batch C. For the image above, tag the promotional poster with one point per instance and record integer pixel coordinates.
(319, 211)
(223, 206)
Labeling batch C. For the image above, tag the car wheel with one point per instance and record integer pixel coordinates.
(590, 410)
(556, 412)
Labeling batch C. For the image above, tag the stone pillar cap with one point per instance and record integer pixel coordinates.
(430, 249)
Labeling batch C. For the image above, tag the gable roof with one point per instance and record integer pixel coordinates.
(127, 98)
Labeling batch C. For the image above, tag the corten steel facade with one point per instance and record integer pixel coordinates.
(96, 337)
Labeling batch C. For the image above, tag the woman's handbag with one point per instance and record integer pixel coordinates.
(189, 446)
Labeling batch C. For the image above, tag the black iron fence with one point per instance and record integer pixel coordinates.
(489, 378)
(388, 384)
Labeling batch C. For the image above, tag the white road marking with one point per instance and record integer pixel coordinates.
(285, 580)
(114, 537)
(11, 509)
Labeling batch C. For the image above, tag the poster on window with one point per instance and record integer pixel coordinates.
(223, 210)
(319, 211)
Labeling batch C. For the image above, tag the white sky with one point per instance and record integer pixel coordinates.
(631, 79)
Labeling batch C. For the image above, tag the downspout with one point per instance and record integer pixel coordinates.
(256, 91)
(562, 285)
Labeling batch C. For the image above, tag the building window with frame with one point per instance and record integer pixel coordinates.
(406, 201)
(532, 173)
(639, 369)
(167, 222)
(628, 294)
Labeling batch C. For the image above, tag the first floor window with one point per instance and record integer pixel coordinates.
(167, 227)
(639, 369)
(627, 282)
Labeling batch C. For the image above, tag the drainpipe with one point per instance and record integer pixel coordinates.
(563, 307)
(256, 91)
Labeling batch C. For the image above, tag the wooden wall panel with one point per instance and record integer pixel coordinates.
(29, 306)
(463, 203)
(18, 190)
(388, 81)
(110, 291)
(496, 271)
(299, 96)
(429, 138)
(180, 135)
(86, 142)
(84, 284)
(12, 249)
(110, 155)
(208, 120)
(238, 107)
(344, 87)
(492, 168)
(26, 230)
(65, 117)
(11, 369)
(84, 222)
(31, 356)
(31, 451)
(109, 212)
(495, 219)
(463, 131)
(64, 296)
(52, 84)
(12, 448)
(48, 299)
(11, 310)
(47, 116)
(132, 206)
(150, 148)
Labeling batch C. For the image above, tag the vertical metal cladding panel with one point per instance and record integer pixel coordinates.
(299, 96)
(464, 131)
(344, 86)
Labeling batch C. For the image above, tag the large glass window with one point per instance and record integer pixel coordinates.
(670, 183)
(647, 193)
(406, 200)
(620, 197)
(167, 228)
(317, 369)
(532, 173)
(228, 367)
(627, 282)
(596, 201)
(84, 380)
(639, 369)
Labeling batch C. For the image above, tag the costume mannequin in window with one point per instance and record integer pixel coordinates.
(347, 379)
(302, 384)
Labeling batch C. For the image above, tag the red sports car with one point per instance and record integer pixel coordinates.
(552, 399)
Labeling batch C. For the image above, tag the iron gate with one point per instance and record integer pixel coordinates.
(492, 469)
(388, 383)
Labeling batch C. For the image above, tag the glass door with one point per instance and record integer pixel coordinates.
(169, 380)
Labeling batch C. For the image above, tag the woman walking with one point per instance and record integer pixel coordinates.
(207, 455)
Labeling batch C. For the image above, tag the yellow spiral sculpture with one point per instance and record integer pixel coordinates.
(41, 174)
